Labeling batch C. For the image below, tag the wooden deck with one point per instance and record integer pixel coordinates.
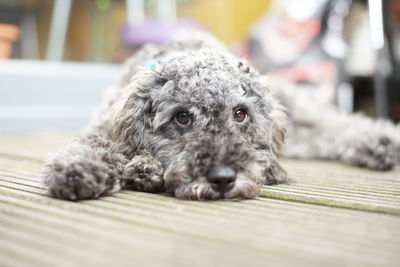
(334, 215)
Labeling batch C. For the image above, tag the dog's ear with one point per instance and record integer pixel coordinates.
(133, 112)
(278, 119)
(276, 113)
(275, 174)
(275, 110)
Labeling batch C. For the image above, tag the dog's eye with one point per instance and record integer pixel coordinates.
(183, 118)
(240, 115)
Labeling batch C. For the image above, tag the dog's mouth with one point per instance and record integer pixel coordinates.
(219, 182)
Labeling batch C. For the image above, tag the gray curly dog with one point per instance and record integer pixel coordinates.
(191, 120)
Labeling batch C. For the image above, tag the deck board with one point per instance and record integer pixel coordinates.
(338, 185)
(334, 215)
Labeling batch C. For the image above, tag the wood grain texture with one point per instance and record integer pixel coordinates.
(338, 185)
(334, 215)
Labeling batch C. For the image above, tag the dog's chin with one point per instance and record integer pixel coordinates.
(243, 189)
(197, 191)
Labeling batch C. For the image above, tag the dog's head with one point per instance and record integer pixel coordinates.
(208, 118)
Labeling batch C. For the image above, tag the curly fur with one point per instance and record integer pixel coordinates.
(133, 142)
(88, 167)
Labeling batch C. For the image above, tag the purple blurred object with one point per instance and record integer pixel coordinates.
(153, 31)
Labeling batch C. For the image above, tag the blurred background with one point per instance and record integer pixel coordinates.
(57, 56)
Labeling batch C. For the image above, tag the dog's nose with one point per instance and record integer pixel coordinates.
(222, 178)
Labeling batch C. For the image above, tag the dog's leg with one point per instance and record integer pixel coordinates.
(317, 131)
(88, 167)
(144, 173)
(353, 139)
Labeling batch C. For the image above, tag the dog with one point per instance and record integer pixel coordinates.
(191, 120)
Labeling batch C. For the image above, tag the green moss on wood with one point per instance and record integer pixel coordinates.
(265, 193)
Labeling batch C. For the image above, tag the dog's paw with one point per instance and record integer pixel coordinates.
(376, 153)
(144, 173)
(88, 167)
(80, 179)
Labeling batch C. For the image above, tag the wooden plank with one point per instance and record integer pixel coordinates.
(35, 146)
(284, 227)
(317, 182)
(338, 185)
(255, 228)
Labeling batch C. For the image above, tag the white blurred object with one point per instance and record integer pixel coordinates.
(302, 10)
(51, 96)
(135, 12)
(376, 23)
(58, 29)
(360, 60)
(334, 45)
(345, 97)
(166, 10)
